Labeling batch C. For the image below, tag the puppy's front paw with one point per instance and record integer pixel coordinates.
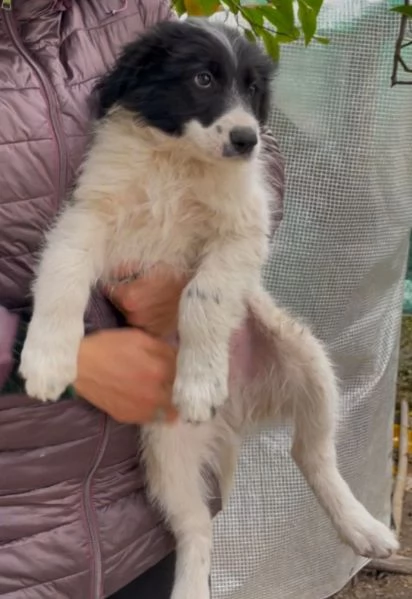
(48, 367)
(198, 392)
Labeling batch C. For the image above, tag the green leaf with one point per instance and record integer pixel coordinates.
(231, 5)
(322, 40)
(179, 7)
(208, 7)
(271, 45)
(286, 9)
(283, 38)
(250, 36)
(404, 10)
(253, 15)
(282, 23)
(265, 15)
(307, 18)
(315, 5)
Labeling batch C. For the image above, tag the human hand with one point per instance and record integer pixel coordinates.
(151, 302)
(128, 374)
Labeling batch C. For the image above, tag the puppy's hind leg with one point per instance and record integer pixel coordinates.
(309, 397)
(174, 455)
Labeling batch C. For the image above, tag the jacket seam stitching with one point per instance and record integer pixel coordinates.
(21, 141)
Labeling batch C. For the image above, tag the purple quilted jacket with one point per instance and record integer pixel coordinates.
(74, 519)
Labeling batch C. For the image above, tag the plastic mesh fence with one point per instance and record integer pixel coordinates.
(339, 261)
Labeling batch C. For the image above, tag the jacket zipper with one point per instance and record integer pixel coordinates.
(57, 130)
(55, 120)
(49, 96)
(92, 525)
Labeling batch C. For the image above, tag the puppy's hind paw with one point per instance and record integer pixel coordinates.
(371, 538)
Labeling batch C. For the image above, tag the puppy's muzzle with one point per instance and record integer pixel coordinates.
(242, 141)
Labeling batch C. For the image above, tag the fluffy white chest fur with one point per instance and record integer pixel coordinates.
(157, 205)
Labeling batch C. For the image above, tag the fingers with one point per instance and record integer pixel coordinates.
(151, 302)
(145, 411)
(153, 345)
(128, 374)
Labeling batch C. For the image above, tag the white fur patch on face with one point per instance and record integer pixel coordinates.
(216, 141)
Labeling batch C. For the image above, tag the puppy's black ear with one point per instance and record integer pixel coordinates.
(128, 73)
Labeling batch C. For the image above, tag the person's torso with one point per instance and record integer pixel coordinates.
(75, 520)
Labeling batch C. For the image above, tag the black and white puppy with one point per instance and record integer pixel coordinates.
(174, 179)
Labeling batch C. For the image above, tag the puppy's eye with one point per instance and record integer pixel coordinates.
(203, 79)
(253, 89)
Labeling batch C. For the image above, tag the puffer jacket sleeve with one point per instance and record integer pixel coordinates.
(8, 329)
(275, 166)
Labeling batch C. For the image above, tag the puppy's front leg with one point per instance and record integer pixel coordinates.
(71, 263)
(211, 308)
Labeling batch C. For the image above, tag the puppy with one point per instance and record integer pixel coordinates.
(175, 177)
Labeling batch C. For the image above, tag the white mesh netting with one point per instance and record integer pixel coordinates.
(339, 261)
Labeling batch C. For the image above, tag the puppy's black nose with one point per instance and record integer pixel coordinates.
(243, 139)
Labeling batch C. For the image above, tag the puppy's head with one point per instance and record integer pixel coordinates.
(202, 83)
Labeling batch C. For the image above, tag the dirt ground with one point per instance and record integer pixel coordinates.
(371, 585)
